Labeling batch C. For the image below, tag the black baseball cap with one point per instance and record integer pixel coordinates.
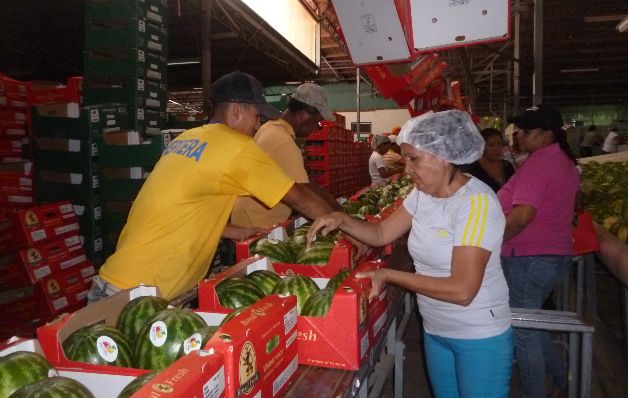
(243, 88)
(538, 117)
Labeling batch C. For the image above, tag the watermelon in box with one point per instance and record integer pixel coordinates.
(320, 344)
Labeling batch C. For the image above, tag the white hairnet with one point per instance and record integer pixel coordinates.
(450, 135)
(379, 140)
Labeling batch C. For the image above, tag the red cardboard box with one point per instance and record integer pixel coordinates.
(320, 343)
(30, 265)
(263, 338)
(35, 225)
(50, 296)
(199, 374)
(259, 348)
(12, 86)
(44, 92)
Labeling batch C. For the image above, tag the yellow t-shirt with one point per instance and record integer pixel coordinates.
(276, 138)
(178, 216)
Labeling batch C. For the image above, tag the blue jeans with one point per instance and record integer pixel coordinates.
(531, 279)
(100, 289)
(470, 367)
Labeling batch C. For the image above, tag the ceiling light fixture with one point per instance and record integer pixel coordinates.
(604, 18)
(579, 70)
(623, 25)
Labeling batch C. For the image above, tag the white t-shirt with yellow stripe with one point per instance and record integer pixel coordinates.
(471, 217)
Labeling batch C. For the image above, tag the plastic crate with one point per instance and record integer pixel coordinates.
(120, 63)
(126, 33)
(92, 122)
(134, 92)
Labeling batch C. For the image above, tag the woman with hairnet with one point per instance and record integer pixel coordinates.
(456, 226)
(380, 174)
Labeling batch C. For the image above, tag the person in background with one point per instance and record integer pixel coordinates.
(591, 138)
(178, 216)
(307, 107)
(491, 168)
(513, 153)
(456, 227)
(537, 253)
(393, 158)
(380, 174)
(613, 139)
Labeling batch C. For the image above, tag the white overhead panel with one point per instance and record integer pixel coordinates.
(372, 31)
(440, 24)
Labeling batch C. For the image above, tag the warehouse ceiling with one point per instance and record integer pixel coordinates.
(44, 40)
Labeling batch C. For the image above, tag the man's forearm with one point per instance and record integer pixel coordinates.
(325, 195)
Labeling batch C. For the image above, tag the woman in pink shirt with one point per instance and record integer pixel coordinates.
(537, 252)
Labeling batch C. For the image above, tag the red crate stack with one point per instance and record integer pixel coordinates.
(43, 271)
(334, 161)
(16, 187)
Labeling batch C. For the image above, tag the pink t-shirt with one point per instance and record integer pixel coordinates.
(548, 181)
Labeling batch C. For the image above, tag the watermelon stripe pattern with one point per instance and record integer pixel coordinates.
(337, 280)
(298, 285)
(317, 254)
(136, 313)
(161, 338)
(237, 293)
(99, 345)
(265, 280)
(54, 387)
(318, 304)
(137, 383)
(21, 368)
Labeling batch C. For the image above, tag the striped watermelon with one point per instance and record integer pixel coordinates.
(276, 250)
(232, 315)
(137, 383)
(161, 338)
(318, 304)
(316, 254)
(238, 292)
(337, 280)
(21, 368)
(197, 341)
(265, 280)
(136, 313)
(54, 387)
(99, 345)
(298, 285)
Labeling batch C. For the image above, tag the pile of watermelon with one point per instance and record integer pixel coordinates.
(295, 250)
(239, 293)
(26, 374)
(148, 335)
(374, 200)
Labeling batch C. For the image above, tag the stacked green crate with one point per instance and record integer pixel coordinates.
(125, 61)
(67, 163)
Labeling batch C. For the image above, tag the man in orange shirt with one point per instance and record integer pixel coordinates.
(307, 107)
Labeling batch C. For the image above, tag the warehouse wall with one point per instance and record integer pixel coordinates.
(382, 121)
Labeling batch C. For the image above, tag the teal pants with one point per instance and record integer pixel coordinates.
(470, 368)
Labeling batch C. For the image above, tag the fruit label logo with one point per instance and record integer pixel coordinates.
(161, 387)
(107, 348)
(248, 375)
(33, 256)
(52, 286)
(158, 333)
(31, 219)
(192, 343)
(363, 307)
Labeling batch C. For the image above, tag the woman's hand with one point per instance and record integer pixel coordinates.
(378, 280)
(325, 224)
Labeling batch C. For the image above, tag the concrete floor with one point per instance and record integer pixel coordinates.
(610, 358)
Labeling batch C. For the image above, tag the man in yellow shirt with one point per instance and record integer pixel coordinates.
(178, 217)
(307, 107)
